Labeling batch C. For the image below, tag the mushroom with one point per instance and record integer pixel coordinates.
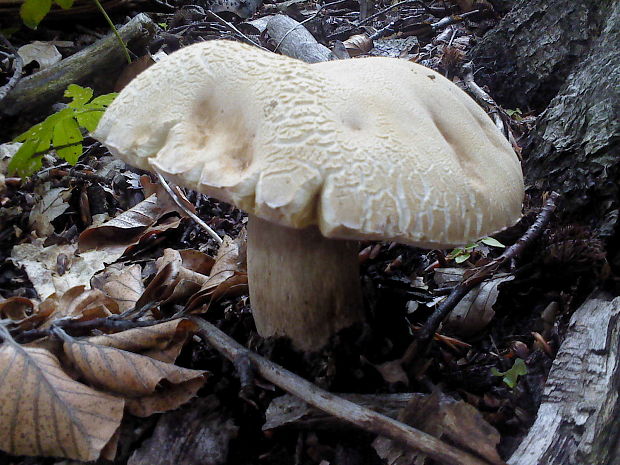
(320, 156)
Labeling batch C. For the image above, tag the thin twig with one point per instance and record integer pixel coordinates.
(192, 215)
(532, 234)
(321, 8)
(232, 28)
(18, 65)
(359, 416)
(481, 95)
(391, 7)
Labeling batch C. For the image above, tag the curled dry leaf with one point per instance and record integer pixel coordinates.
(121, 283)
(183, 272)
(16, 308)
(162, 342)
(44, 53)
(188, 273)
(79, 304)
(126, 228)
(133, 375)
(444, 418)
(46, 413)
(170, 397)
(52, 204)
(230, 259)
(475, 311)
(358, 44)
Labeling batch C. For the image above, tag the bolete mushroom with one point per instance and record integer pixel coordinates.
(320, 156)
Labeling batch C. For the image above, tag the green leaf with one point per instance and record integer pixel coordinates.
(511, 377)
(32, 12)
(462, 257)
(67, 132)
(89, 119)
(64, 4)
(43, 130)
(80, 95)
(492, 242)
(104, 100)
(24, 162)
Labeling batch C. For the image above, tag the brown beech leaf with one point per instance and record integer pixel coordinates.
(121, 283)
(123, 372)
(230, 259)
(162, 342)
(44, 412)
(182, 271)
(16, 308)
(125, 228)
(444, 418)
(81, 305)
(174, 282)
(197, 261)
(358, 44)
(169, 398)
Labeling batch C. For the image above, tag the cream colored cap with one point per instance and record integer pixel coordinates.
(372, 148)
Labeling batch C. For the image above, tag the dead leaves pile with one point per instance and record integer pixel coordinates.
(74, 363)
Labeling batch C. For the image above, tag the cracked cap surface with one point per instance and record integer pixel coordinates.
(371, 148)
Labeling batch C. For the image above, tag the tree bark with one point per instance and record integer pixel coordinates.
(564, 55)
(579, 419)
(563, 58)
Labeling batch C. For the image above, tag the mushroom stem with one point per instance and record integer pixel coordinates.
(302, 285)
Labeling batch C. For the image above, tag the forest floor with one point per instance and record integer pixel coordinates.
(82, 244)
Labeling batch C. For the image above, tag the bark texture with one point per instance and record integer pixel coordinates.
(564, 55)
(563, 58)
(579, 419)
(528, 56)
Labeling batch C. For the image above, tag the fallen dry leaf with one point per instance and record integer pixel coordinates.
(129, 374)
(447, 418)
(174, 281)
(169, 398)
(126, 228)
(79, 304)
(162, 342)
(121, 283)
(16, 308)
(52, 204)
(358, 44)
(230, 259)
(46, 413)
(475, 311)
(41, 265)
(44, 53)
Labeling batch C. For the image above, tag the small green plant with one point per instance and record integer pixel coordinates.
(32, 13)
(511, 376)
(61, 131)
(461, 254)
(516, 114)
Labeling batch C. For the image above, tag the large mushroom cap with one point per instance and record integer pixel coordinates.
(373, 148)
